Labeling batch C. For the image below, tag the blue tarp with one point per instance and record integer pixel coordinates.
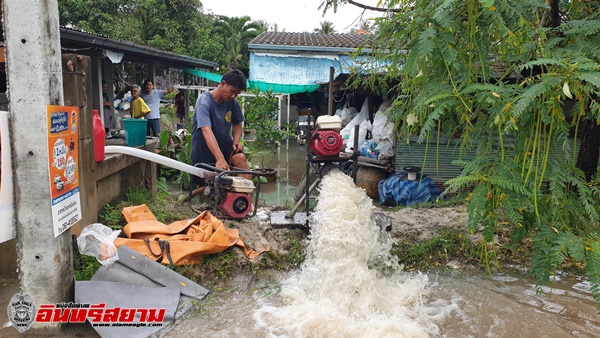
(398, 190)
(277, 88)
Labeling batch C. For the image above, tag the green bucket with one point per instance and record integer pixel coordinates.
(135, 132)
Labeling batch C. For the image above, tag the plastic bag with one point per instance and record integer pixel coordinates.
(348, 130)
(369, 149)
(363, 128)
(385, 149)
(382, 130)
(98, 240)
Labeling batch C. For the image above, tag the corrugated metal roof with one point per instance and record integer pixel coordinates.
(310, 40)
(72, 38)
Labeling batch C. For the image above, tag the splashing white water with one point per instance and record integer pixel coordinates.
(344, 288)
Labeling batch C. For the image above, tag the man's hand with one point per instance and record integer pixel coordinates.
(222, 164)
(238, 148)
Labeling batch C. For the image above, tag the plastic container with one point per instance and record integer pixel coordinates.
(329, 122)
(135, 132)
(99, 136)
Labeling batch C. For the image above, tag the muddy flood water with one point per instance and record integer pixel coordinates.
(349, 286)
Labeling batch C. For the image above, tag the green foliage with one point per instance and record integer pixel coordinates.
(222, 263)
(178, 147)
(447, 244)
(139, 195)
(111, 217)
(497, 75)
(326, 27)
(178, 26)
(259, 107)
(261, 112)
(592, 268)
(88, 266)
(235, 33)
(291, 259)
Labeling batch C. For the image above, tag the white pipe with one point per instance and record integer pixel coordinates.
(154, 157)
(7, 225)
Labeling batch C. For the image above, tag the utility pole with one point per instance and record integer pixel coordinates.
(34, 76)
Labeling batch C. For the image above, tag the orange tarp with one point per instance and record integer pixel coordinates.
(181, 242)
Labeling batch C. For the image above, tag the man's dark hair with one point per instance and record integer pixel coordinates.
(236, 78)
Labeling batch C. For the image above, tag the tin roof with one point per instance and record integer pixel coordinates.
(72, 38)
(309, 41)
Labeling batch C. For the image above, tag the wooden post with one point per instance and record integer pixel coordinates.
(330, 110)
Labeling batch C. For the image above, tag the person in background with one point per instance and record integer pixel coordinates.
(217, 125)
(152, 98)
(108, 113)
(139, 108)
(180, 102)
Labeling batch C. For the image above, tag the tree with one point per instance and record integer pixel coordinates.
(498, 73)
(165, 24)
(326, 28)
(235, 33)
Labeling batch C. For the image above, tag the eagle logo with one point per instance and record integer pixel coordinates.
(21, 311)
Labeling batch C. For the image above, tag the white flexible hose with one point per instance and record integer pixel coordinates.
(151, 156)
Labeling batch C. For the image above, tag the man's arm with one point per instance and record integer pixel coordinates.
(213, 146)
(236, 132)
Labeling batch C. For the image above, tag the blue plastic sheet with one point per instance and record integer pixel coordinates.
(278, 88)
(398, 190)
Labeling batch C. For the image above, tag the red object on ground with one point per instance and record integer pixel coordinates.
(327, 143)
(99, 135)
(236, 205)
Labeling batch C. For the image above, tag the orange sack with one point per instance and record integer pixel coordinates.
(181, 242)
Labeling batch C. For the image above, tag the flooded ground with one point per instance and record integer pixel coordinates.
(349, 286)
(461, 304)
(289, 162)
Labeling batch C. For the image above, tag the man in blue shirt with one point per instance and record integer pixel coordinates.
(217, 126)
(152, 98)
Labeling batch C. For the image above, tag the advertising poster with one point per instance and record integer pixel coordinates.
(63, 166)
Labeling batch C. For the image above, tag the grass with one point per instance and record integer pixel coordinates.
(221, 264)
(289, 260)
(88, 266)
(437, 251)
(165, 208)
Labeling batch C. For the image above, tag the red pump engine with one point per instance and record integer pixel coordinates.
(236, 204)
(326, 140)
(326, 143)
(232, 194)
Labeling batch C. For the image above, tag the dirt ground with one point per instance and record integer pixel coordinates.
(422, 223)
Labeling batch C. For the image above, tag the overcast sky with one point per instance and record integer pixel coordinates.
(291, 15)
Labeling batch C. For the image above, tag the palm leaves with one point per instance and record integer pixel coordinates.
(326, 27)
(235, 34)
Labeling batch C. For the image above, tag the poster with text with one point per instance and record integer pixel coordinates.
(63, 165)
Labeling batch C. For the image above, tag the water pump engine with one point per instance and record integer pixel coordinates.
(326, 141)
(232, 194)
